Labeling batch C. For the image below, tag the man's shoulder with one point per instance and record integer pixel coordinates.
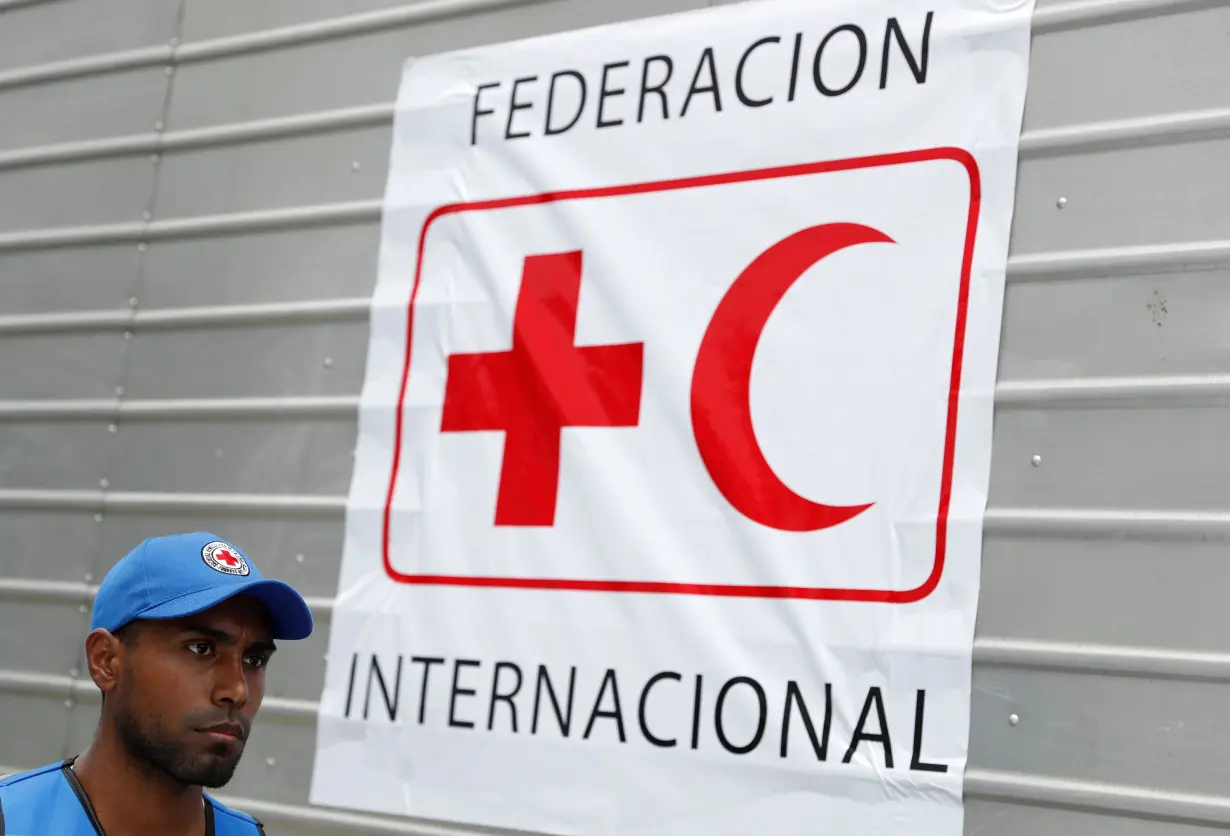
(224, 814)
(30, 778)
(41, 801)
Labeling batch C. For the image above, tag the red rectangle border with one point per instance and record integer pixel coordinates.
(960, 156)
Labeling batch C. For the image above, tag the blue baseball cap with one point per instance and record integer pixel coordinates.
(184, 574)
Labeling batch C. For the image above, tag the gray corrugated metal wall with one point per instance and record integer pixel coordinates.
(189, 209)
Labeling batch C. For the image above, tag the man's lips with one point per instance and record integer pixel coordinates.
(225, 731)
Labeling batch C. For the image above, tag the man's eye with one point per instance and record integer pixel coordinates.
(257, 661)
(200, 648)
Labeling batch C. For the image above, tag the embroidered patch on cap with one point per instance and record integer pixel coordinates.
(225, 558)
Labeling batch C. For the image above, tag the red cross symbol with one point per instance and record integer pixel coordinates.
(223, 556)
(543, 384)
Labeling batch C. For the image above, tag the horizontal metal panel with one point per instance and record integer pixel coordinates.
(70, 279)
(308, 457)
(1148, 64)
(44, 32)
(263, 267)
(1138, 591)
(82, 108)
(1082, 138)
(57, 455)
(234, 362)
(205, 19)
(33, 729)
(1084, 465)
(52, 366)
(344, 165)
(1175, 193)
(1003, 818)
(50, 545)
(366, 69)
(298, 669)
(1122, 730)
(103, 191)
(1168, 323)
(37, 637)
(275, 546)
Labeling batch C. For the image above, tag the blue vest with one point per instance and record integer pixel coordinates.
(50, 802)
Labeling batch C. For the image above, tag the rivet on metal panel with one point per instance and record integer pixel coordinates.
(74, 673)
(355, 166)
(328, 362)
(142, 247)
(68, 704)
(147, 216)
(298, 558)
(89, 577)
(1036, 460)
(158, 126)
(1013, 719)
(169, 70)
(82, 608)
(98, 518)
(104, 483)
(155, 158)
(270, 762)
(119, 390)
(132, 301)
(113, 428)
(128, 335)
(1062, 202)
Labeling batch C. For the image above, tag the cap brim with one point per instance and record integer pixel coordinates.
(292, 620)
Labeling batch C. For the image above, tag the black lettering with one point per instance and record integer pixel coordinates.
(873, 696)
(657, 88)
(862, 60)
(821, 746)
(390, 705)
(354, 663)
(458, 664)
(794, 65)
(616, 714)
(427, 662)
(565, 722)
(478, 112)
(551, 101)
(700, 681)
(761, 721)
(514, 106)
(918, 68)
(916, 761)
(496, 696)
(604, 94)
(640, 713)
(706, 60)
(743, 97)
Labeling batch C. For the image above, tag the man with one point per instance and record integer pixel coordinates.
(182, 632)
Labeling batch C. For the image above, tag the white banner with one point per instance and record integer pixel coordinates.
(675, 438)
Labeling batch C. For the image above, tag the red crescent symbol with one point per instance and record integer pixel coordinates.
(721, 382)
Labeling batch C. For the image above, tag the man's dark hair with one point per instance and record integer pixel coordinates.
(128, 633)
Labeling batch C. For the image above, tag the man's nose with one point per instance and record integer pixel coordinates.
(231, 681)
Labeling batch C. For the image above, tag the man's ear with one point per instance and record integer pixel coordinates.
(104, 657)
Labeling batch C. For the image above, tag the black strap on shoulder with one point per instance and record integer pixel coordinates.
(66, 769)
(209, 819)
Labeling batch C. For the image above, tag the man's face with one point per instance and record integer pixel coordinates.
(190, 689)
